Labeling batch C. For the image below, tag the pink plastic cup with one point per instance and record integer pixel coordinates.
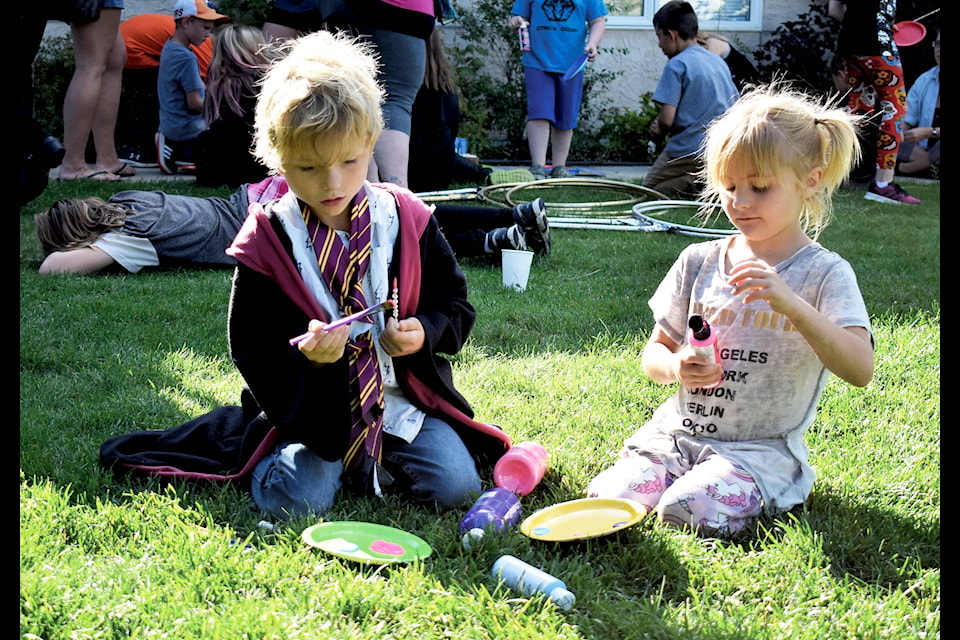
(521, 468)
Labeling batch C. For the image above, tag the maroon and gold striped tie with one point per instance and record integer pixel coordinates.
(343, 269)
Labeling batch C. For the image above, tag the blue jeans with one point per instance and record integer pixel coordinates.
(436, 468)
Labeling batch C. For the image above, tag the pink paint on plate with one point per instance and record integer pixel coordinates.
(385, 548)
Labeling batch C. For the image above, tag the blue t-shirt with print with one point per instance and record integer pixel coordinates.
(558, 30)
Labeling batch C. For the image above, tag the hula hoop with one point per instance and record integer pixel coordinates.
(641, 213)
(643, 203)
(505, 194)
(471, 193)
(600, 224)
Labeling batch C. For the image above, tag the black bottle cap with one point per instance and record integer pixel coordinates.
(699, 326)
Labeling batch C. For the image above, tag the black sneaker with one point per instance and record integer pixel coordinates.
(164, 155)
(506, 238)
(532, 218)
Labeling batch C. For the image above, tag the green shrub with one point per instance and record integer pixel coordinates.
(52, 70)
(245, 11)
(623, 133)
(490, 77)
(800, 50)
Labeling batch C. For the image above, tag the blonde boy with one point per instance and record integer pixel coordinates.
(370, 405)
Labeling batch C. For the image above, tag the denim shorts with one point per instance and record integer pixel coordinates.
(295, 6)
(112, 4)
(302, 15)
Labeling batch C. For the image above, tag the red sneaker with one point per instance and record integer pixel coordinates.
(891, 194)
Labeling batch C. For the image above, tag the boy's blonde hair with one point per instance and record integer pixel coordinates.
(779, 131)
(323, 90)
(73, 223)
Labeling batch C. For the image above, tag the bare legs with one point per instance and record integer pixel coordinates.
(883, 175)
(391, 156)
(538, 138)
(561, 139)
(275, 32)
(540, 133)
(93, 97)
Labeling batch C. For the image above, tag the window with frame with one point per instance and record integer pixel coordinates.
(713, 15)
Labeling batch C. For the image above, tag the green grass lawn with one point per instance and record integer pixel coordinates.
(559, 364)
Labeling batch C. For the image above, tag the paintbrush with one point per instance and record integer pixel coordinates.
(386, 305)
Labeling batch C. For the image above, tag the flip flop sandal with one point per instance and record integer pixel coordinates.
(96, 176)
(125, 171)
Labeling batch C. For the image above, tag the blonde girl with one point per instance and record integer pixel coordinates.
(729, 444)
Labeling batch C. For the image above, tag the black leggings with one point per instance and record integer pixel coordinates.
(466, 226)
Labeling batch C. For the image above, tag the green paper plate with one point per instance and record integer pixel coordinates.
(366, 542)
(582, 519)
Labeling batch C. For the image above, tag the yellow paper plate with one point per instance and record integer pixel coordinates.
(582, 519)
(366, 542)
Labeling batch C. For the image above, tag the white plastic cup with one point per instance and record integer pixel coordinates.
(516, 268)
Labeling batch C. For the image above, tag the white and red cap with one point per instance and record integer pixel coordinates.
(202, 9)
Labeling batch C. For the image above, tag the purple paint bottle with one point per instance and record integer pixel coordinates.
(496, 509)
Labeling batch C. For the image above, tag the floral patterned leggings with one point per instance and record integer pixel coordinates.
(877, 87)
(715, 497)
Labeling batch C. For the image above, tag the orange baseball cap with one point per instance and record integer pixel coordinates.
(202, 9)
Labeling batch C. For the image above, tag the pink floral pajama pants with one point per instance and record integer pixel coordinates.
(715, 497)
